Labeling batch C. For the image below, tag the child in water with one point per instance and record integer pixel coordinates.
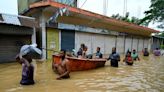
(27, 70)
(128, 59)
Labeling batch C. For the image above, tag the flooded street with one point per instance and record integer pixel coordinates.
(146, 75)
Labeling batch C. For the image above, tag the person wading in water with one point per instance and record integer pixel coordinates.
(62, 68)
(27, 70)
(128, 59)
(114, 57)
(135, 55)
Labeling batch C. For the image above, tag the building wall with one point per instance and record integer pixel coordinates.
(135, 44)
(120, 44)
(140, 46)
(146, 42)
(98, 41)
(106, 42)
(22, 6)
(128, 43)
(110, 41)
(156, 42)
(52, 41)
(85, 38)
(12, 37)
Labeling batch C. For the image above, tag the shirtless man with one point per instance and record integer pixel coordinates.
(63, 67)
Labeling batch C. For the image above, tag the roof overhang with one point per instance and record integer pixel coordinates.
(18, 20)
(86, 18)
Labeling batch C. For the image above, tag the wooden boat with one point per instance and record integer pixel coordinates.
(77, 64)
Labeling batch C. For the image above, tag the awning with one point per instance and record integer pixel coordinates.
(86, 18)
(18, 20)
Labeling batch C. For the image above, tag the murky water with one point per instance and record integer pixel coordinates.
(145, 76)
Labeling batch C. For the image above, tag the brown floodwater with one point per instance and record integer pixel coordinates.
(146, 75)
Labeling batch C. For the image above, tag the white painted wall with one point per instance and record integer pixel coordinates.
(128, 43)
(140, 46)
(146, 42)
(135, 44)
(85, 38)
(92, 41)
(109, 43)
(9, 7)
(120, 44)
(98, 41)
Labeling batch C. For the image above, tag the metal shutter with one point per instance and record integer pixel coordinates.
(85, 38)
(109, 43)
(120, 44)
(98, 41)
(128, 44)
(10, 46)
(140, 46)
(67, 39)
(135, 44)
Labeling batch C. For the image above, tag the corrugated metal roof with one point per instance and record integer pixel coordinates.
(18, 20)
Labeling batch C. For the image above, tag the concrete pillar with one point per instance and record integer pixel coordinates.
(33, 37)
(43, 28)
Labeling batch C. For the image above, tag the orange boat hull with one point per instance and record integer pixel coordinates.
(77, 64)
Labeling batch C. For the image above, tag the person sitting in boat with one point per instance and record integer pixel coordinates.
(62, 68)
(135, 55)
(145, 52)
(114, 57)
(157, 52)
(80, 51)
(98, 53)
(27, 69)
(128, 59)
(84, 54)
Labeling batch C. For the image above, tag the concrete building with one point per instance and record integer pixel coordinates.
(66, 27)
(15, 31)
(157, 41)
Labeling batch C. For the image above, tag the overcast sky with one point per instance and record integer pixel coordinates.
(134, 7)
(9, 7)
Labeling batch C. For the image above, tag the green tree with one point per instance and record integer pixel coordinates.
(126, 18)
(155, 13)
